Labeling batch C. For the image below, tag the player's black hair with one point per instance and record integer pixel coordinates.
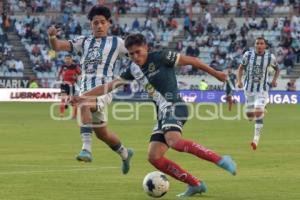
(68, 55)
(99, 10)
(135, 39)
(264, 39)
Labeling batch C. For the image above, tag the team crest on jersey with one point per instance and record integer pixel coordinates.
(94, 56)
(257, 72)
(151, 67)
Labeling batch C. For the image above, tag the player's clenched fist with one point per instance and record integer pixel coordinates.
(221, 76)
(52, 31)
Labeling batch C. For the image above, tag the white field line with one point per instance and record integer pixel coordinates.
(42, 165)
(56, 170)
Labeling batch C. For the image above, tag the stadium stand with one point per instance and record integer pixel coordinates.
(217, 31)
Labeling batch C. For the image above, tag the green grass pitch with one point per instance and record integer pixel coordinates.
(37, 159)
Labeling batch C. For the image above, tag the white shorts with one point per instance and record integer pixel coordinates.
(100, 116)
(256, 100)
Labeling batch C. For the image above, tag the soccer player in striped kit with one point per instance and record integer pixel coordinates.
(256, 85)
(99, 53)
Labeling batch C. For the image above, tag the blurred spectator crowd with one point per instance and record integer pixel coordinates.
(188, 26)
(9, 65)
(222, 45)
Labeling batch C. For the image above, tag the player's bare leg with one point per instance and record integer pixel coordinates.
(230, 102)
(74, 112)
(62, 106)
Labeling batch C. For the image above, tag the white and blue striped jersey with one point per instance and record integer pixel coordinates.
(256, 70)
(98, 57)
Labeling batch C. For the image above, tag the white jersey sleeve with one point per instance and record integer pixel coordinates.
(136, 71)
(77, 44)
(121, 48)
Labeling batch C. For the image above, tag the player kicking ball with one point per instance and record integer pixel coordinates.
(255, 63)
(156, 71)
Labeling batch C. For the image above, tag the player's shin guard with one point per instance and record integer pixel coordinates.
(197, 150)
(174, 170)
(257, 132)
(86, 138)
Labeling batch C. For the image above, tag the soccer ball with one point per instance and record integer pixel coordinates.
(156, 184)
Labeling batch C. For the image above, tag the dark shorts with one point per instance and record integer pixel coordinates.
(229, 90)
(173, 120)
(68, 89)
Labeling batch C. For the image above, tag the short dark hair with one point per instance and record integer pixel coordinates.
(135, 39)
(262, 38)
(99, 10)
(68, 55)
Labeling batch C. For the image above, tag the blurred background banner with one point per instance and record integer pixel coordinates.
(275, 97)
(30, 95)
(14, 82)
(193, 96)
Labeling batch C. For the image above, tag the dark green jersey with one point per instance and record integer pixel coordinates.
(160, 74)
(159, 79)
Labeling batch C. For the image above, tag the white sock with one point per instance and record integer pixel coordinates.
(257, 132)
(122, 151)
(86, 139)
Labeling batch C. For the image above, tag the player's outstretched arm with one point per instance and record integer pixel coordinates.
(56, 44)
(239, 76)
(199, 64)
(104, 89)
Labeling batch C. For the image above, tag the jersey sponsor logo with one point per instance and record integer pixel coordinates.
(177, 173)
(171, 56)
(90, 70)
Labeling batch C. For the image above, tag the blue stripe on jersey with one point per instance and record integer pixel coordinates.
(253, 66)
(111, 52)
(95, 66)
(266, 73)
(248, 71)
(262, 67)
(82, 45)
(91, 46)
